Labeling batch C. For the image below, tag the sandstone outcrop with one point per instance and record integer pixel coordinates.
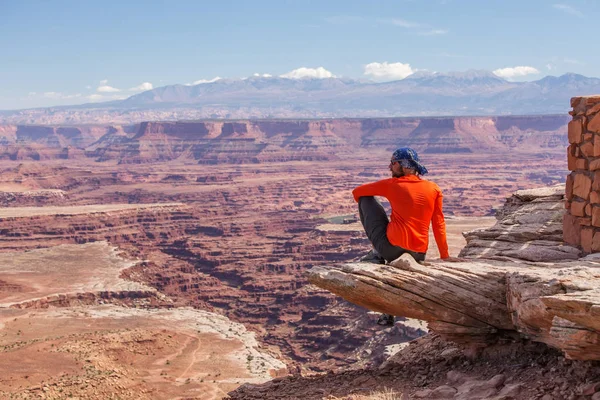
(480, 302)
(32, 197)
(41, 142)
(243, 141)
(529, 227)
(529, 284)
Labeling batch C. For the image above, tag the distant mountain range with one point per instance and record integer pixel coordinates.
(421, 94)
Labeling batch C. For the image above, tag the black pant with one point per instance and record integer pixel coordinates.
(375, 221)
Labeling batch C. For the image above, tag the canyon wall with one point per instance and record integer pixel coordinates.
(257, 141)
(581, 224)
(40, 142)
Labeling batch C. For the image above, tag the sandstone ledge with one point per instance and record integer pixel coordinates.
(519, 280)
(481, 302)
(65, 274)
(25, 212)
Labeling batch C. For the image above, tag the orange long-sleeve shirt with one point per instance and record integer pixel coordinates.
(415, 204)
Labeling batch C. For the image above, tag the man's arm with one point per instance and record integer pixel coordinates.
(438, 224)
(378, 188)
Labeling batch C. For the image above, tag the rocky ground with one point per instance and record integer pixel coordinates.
(432, 368)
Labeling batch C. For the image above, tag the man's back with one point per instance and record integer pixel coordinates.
(415, 204)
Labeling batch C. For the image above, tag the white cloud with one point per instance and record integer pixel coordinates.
(514, 72)
(107, 89)
(200, 81)
(388, 71)
(103, 82)
(142, 87)
(303, 72)
(568, 9)
(95, 97)
(262, 75)
(88, 87)
(550, 67)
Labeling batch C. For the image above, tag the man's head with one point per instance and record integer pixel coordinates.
(405, 161)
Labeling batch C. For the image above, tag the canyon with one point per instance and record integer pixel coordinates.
(143, 231)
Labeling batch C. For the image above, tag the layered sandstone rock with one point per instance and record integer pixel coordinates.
(243, 141)
(479, 302)
(247, 233)
(34, 227)
(523, 281)
(32, 197)
(40, 142)
(66, 274)
(529, 227)
(252, 141)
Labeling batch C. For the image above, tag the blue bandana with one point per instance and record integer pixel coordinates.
(408, 158)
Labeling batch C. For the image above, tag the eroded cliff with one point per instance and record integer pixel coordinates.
(253, 141)
(285, 140)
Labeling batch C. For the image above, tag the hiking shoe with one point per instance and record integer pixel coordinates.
(372, 257)
(386, 319)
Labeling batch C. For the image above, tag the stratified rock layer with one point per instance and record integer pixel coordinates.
(258, 141)
(243, 141)
(478, 302)
(517, 284)
(529, 227)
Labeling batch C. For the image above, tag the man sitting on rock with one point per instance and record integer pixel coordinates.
(416, 203)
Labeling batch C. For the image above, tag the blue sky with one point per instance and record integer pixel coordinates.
(70, 52)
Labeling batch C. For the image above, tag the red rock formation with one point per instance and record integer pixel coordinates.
(252, 141)
(39, 142)
(285, 140)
